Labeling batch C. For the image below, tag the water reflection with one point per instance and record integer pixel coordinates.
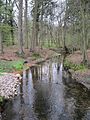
(44, 96)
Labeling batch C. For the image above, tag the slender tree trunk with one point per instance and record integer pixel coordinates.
(6, 11)
(1, 43)
(26, 25)
(82, 7)
(20, 27)
(12, 31)
(35, 26)
(64, 28)
(41, 38)
(11, 20)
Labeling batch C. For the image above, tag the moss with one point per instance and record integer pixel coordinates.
(17, 65)
(73, 66)
(10, 66)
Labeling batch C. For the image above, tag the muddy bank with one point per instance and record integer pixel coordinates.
(82, 76)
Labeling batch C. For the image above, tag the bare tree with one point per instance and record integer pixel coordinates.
(26, 24)
(20, 27)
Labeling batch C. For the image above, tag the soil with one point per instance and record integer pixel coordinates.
(11, 53)
(77, 57)
(81, 76)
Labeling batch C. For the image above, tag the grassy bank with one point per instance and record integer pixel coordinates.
(10, 66)
(74, 66)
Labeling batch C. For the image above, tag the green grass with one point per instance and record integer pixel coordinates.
(73, 66)
(9, 66)
(18, 65)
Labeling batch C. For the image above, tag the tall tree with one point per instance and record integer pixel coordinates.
(1, 17)
(35, 24)
(20, 27)
(26, 23)
(83, 10)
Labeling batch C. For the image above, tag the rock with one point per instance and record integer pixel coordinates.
(8, 85)
(18, 76)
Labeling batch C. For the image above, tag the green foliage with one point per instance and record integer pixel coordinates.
(18, 65)
(73, 66)
(47, 45)
(9, 66)
(6, 32)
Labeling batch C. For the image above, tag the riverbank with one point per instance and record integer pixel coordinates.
(11, 64)
(79, 72)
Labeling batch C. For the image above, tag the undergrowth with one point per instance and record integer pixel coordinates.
(10, 66)
(73, 66)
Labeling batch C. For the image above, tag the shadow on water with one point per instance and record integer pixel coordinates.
(46, 95)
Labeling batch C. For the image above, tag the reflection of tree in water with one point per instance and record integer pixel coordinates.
(79, 101)
(50, 71)
(21, 93)
(35, 72)
(41, 104)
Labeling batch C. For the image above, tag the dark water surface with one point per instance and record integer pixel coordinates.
(45, 95)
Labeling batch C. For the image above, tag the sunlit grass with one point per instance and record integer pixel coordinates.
(10, 66)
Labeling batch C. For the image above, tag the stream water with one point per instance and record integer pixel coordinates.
(46, 95)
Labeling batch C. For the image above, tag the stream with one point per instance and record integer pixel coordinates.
(44, 94)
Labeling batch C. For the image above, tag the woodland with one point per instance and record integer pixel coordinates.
(32, 34)
(29, 24)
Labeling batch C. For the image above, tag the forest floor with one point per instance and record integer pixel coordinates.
(11, 54)
(77, 57)
(83, 75)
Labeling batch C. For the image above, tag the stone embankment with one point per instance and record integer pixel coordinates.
(8, 85)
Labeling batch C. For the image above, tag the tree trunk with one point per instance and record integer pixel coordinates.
(26, 25)
(41, 31)
(82, 7)
(20, 27)
(1, 43)
(35, 26)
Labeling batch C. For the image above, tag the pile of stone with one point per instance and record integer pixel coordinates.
(8, 85)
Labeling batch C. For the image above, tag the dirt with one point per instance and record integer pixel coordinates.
(82, 76)
(77, 57)
(11, 53)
